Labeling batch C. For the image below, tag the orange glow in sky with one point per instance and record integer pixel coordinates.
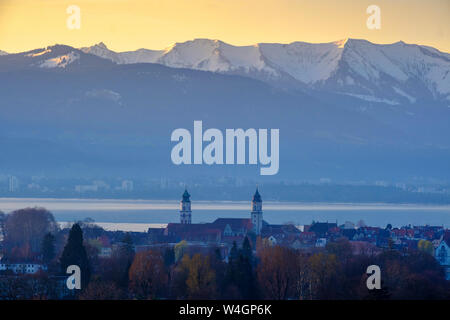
(156, 24)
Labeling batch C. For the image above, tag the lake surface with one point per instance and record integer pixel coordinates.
(139, 214)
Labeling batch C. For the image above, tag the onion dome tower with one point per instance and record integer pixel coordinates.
(257, 213)
(185, 208)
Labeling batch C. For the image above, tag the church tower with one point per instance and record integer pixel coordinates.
(257, 214)
(185, 208)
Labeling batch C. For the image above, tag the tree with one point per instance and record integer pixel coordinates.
(169, 256)
(102, 290)
(233, 252)
(276, 272)
(75, 254)
(127, 247)
(240, 272)
(324, 269)
(245, 279)
(302, 277)
(341, 248)
(247, 251)
(48, 248)
(148, 275)
(201, 278)
(425, 246)
(180, 249)
(25, 229)
(120, 262)
(360, 224)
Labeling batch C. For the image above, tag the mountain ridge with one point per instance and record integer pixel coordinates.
(86, 115)
(393, 74)
(397, 71)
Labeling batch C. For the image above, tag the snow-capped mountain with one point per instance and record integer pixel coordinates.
(138, 56)
(3, 53)
(78, 110)
(58, 57)
(391, 73)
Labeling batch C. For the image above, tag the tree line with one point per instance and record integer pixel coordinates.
(251, 270)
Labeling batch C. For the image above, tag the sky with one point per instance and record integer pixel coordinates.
(157, 24)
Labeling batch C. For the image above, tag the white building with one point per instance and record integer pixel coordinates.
(127, 185)
(86, 188)
(23, 268)
(321, 243)
(13, 184)
(442, 253)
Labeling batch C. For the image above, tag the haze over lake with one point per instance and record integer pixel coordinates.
(122, 212)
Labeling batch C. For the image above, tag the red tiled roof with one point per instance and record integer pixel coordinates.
(234, 223)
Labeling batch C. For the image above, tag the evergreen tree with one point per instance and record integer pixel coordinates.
(169, 256)
(245, 272)
(48, 248)
(247, 251)
(126, 258)
(75, 254)
(231, 268)
(240, 270)
(233, 253)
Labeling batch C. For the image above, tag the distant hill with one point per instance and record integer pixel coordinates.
(72, 112)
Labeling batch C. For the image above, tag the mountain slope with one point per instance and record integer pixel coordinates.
(90, 116)
(396, 73)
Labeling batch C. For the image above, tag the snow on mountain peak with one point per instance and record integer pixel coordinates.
(3, 53)
(354, 66)
(138, 56)
(101, 45)
(39, 53)
(61, 61)
(341, 43)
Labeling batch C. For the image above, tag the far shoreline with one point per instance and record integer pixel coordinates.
(140, 204)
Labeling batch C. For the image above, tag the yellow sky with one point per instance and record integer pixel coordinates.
(157, 24)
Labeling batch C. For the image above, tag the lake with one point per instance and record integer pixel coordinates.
(138, 215)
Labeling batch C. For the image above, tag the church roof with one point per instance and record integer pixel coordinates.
(234, 223)
(193, 229)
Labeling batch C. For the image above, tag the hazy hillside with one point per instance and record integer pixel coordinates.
(69, 113)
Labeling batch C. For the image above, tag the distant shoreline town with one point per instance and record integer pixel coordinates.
(45, 248)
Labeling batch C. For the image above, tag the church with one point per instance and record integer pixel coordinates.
(222, 229)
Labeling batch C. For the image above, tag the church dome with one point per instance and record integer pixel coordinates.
(186, 196)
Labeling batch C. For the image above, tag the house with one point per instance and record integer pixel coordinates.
(321, 243)
(363, 247)
(272, 241)
(321, 228)
(23, 268)
(442, 253)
